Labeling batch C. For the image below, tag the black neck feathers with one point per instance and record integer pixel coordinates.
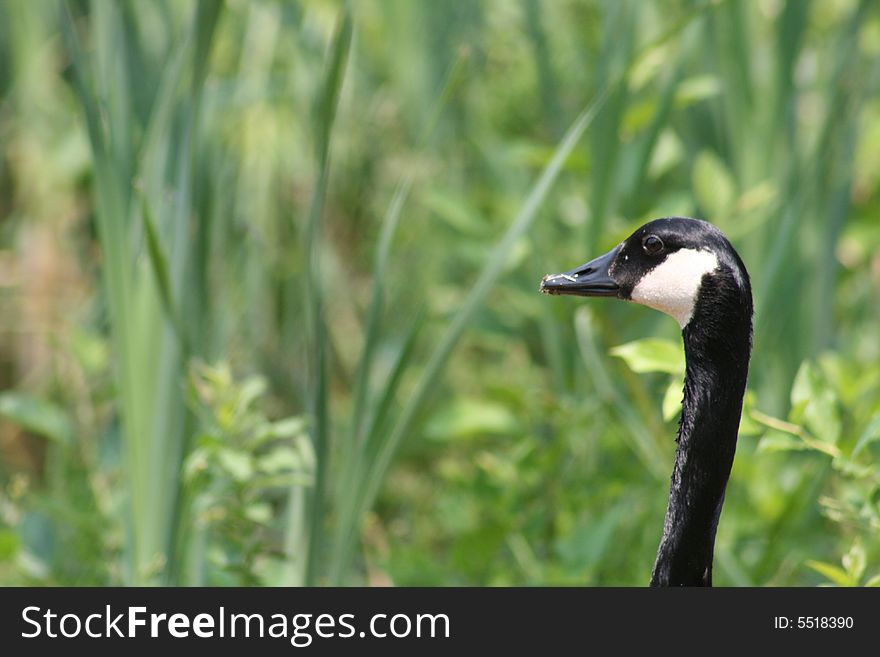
(717, 344)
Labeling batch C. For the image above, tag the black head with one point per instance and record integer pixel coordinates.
(663, 265)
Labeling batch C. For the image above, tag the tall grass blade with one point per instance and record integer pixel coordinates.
(380, 460)
(326, 113)
(159, 266)
(637, 435)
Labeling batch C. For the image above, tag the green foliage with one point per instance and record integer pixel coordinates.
(853, 570)
(652, 355)
(835, 412)
(657, 355)
(238, 472)
(351, 204)
(714, 186)
(36, 415)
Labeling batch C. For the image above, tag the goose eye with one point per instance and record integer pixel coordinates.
(652, 245)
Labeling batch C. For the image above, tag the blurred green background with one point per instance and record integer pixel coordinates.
(268, 287)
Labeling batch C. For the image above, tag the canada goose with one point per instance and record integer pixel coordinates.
(686, 268)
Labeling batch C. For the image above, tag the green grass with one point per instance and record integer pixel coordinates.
(344, 209)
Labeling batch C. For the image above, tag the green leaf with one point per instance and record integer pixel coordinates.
(776, 441)
(672, 399)
(814, 404)
(468, 418)
(855, 561)
(159, 264)
(250, 391)
(195, 464)
(665, 156)
(37, 415)
(850, 468)
(805, 384)
(260, 513)
(714, 186)
(325, 114)
(834, 573)
(652, 355)
(280, 459)
(236, 463)
(874, 581)
(697, 88)
(287, 428)
(869, 435)
(747, 425)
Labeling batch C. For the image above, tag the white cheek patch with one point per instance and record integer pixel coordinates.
(672, 287)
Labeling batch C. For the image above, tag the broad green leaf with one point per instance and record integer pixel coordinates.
(805, 384)
(666, 155)
(652, 355)
(37, 415)
(251, 390)
(762, 194)
(869, 435)
(287, 428)
(855, 561)
(747, 425)
(697, 88)
(814, 404)
(852, 469)
(280, 459)
(714, 186)
(468, 418)
(672, 399)
(647, 67)
(195, 464)
(236, 463)
(776, 441)
(260, 513)
(834, 573)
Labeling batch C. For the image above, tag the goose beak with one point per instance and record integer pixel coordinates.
(589, 280)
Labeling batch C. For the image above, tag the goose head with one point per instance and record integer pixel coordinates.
(668, 264)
